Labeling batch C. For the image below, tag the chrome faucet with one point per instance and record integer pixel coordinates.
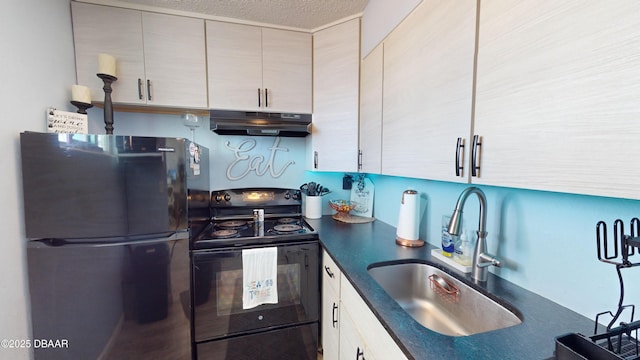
(481, 259)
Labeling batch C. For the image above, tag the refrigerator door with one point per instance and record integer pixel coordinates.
(127, 300)
(97, 186)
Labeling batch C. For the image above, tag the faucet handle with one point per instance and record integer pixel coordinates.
(488, 260)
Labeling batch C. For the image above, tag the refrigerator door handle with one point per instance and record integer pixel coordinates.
(105, 242)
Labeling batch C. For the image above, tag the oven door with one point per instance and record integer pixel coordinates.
(217, 290)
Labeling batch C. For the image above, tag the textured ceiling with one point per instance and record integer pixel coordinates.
(302, 14)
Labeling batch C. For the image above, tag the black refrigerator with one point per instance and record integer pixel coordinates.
(106, 218)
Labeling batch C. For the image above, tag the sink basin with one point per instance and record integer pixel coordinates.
(455, 309)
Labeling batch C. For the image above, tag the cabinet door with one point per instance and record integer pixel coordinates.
(331, 277)
(557, 96)
(330, 322)
(118, 32)
(336, 54)
(371, 111)
(286, 71)
(428, 87)
(175, 65)
(379, 343)
(352, 346)
(234, 63)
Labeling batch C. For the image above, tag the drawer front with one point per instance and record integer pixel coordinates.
(331, 274)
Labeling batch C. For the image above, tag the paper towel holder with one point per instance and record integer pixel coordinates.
(400, 240)
(409, 243)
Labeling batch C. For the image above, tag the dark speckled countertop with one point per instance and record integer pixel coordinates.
(354, 247)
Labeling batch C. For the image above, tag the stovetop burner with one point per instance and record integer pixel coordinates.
(224, 234)
(254, 233)
(287, 228)
(233, 223)
(287, 220)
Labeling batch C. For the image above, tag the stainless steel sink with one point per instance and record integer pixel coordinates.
(455, 309)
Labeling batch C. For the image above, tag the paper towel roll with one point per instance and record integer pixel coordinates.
(409, 218)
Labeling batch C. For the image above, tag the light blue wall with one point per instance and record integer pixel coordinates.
(285, 169)
(221, 157)
(37, 67)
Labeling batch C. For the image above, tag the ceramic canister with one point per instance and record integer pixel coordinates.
(409, 218)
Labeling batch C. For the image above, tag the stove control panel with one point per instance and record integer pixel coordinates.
(222, 196)
(258, 196)
(294, 194)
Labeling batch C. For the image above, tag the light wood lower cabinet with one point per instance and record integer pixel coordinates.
(352, 345)
(350, 330)
(330, 308)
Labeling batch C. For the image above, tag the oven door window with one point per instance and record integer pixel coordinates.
(229, 289)
(218, 290)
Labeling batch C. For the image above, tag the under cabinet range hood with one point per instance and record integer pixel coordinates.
(226, 122)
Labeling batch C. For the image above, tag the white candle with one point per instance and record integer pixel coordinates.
(106, 64)
(81, 93)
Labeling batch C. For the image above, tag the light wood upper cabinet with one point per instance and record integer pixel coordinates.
(371, 111)
(175, 66)
(160, 58)
(428, 88)
(287, 70)
(336, 56)
(557, 96)
(93, 33)
(258, 69)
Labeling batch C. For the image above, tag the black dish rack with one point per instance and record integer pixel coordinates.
(616, 341)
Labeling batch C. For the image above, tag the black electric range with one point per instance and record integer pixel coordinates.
(243, 221)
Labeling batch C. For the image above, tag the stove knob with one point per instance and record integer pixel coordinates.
(218, 198)
(227, 197)
(296, 195)
(287, 195)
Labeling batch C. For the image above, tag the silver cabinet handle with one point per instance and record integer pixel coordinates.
(149, 89)
(333, 315)
(315, 159)
(475, 156)
(259, 96)
(460, 157)
(139, 88)
(266, 97)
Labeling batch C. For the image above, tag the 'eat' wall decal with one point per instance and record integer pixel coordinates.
(246, 162)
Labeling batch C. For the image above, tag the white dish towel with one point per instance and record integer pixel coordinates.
(259, 277)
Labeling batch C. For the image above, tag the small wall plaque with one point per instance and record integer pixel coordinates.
(66, 122)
